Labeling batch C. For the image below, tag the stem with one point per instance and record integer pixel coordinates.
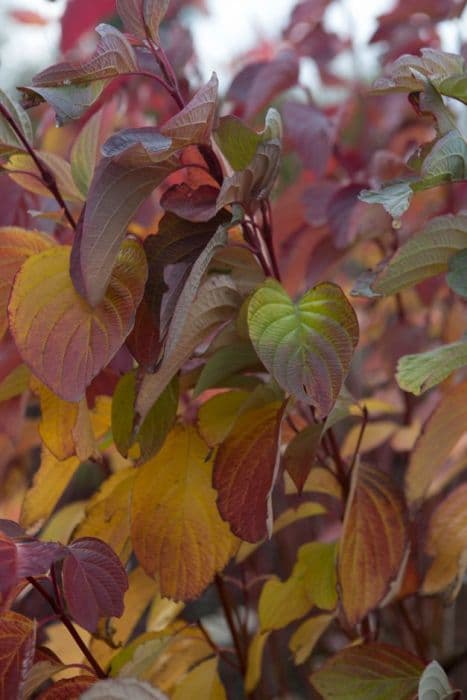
(360, 437)
(339, 462)
(48, 178)
(227, 608)
(267, 236)
(69, 625)
(216, 649)
(168, 72)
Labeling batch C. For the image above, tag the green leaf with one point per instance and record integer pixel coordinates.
(369, 672)
(237, 141)
(225, 362)
(9, 141)
(418, 373)
(434, 684)
(307, 346)
(394, 197)
(426, 254)
(457, 275)
(84, 153)
(447, 159)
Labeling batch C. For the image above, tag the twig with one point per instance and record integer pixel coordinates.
(360, 437)
(168, 72)
(48, 178)
(100, 673)
(221, 652)
(227, 608)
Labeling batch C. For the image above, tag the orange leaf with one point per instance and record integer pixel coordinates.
(176, 529)
(245, 470)
(442, 431)
(17, 638)
(64, 341)
(447, 541)
(373, 542)
(16, 245)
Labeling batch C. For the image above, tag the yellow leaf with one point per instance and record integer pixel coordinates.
(201, 682)
(63, 522)
(375, 435)
(177, 532)
(319, 481)
(217, 415)
(311, 583)
(108, 513)
(141, 591)
(163, 611)
(15, 382)
(185, 650)
(254, 660)
(50, 481)
(305, 637)
(58, 418)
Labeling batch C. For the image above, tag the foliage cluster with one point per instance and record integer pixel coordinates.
(195, 420)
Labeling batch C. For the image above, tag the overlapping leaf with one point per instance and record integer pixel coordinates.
(369, 671)
(442, 431)
(94, 582)
(245, 470)
(16, 246)
(218, 299)
(142, 17)
(373, 542)
(306, 346)
(84, 153)
(300, 453)
(60, 337)
(305, 637)
(72, 87)
(177, 532)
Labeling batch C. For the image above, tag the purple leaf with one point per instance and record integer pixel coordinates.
(94, 582)
(310, 132)
(193, 205)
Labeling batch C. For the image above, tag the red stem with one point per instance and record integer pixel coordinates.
(69, 625)
(48, 178)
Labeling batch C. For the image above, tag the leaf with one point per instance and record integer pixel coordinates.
(201, 682)
(122, 689)
(299, 454)
(94, 582)
(9, 141)
(443, 429)
(177, 532)
(84, 153)
(306, 346)
(375, 434)
(16, 246)
(254, 660)
(177, 258)
(191, 204)
(24, 171)
(457, 277)
(217, 301)
(373, 542)
(61, 84)
(447, 159)
(409, 73)
(137, 657)
(369, 671)
(237, 141)
(305, 637)
(394, 197)
(59, 336)
(115, 193)
(58, 418)
(311, 583)
(40, 672)
(50, 482)
(156, 425)
(217, 416)
(68, 688)
(273, 77)
(78, 19)
(17, 642)
(425, 255)
(447, 543)
(15, 383)
(434, 683)
(418, 373)
(245, 470)
(225, 362)
(310, 132)
(143, 17)
(107, 514)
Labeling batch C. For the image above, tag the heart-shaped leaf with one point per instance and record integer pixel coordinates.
(61, 338)
(307, 346)
(94, 582)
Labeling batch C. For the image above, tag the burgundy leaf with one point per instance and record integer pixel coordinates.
(193, 205)
(310, 132)
(273, 78)
(94, 582)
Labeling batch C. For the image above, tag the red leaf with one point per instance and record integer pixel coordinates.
(80, 17)
(94, 582)
(17, 640)
(194, 205)
(245, 470)
(68, 688)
